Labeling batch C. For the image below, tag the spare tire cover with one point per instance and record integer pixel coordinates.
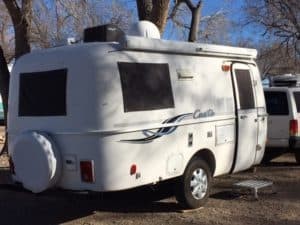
(36, 160)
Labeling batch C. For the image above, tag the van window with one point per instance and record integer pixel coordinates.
(277, 103)
(145, 86)
(43, 93)
(244, 83)
(297, 100)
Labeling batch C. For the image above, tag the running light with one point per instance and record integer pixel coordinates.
(293, 127)
(87, 171)
(133, 169)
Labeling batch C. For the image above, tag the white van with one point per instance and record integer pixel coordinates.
(283, 107)
(108, 116)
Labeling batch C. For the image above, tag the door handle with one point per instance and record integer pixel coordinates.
(243, 117)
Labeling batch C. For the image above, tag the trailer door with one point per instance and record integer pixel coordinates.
(247, 118)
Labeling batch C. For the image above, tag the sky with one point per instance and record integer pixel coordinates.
(233, 10)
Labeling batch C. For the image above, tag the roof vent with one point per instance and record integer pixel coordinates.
(144, 29)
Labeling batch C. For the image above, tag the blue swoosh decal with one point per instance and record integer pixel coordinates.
(150, 135)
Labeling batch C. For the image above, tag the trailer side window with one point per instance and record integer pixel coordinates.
(43, 93)
(297, 100)
(145, 86)
(246, 96)
(276, 103)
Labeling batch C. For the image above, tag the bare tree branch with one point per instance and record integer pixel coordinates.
(278, 18)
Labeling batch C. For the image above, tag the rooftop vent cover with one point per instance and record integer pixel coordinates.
(103, 33)
(287, 80)
(144, 29)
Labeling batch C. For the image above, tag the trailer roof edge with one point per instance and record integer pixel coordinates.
(180, 47)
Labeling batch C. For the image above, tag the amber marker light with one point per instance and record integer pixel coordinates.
(226, 68)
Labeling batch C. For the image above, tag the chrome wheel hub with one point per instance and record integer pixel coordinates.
(199, 184)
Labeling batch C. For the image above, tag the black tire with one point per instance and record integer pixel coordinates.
(297, 156)
(184, 189)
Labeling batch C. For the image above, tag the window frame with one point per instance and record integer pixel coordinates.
(139, 92)
(295, 98)
(243, 95)
(286, 102)
(38, 98)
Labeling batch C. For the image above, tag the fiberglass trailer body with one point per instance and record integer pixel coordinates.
(107, 116)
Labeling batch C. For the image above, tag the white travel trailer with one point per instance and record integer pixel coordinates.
(108, 116)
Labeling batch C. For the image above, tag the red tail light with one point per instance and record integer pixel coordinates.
(293, 127)
(133, 169)
(87, 171)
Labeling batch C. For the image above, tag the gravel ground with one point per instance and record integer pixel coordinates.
(225, 206)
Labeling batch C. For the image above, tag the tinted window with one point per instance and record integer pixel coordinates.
(244, 83)
(43, 93)
(145, 86)
(297, 100)
(276, 103)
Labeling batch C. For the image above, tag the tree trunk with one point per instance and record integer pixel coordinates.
(155, 11)
(4, 81)
(4, 87)
(144, 9)
(195, 21)
(160, 14)
(21, 26)
(19, 18)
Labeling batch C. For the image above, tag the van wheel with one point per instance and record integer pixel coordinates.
(192, 189)
(297, 156)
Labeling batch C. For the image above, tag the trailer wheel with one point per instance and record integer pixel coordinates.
(297, 156)
(192, 189)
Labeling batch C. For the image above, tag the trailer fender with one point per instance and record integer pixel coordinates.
(208, 156)
(36, 159)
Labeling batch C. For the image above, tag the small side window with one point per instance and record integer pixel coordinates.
(145, 86)
(297, 100)
(246, 96)
(277, 103)
(43, 93)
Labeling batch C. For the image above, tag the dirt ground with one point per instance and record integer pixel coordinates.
(225, 206)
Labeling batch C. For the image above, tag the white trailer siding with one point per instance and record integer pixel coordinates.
(97, 128)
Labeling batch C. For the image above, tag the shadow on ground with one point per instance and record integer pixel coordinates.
(19, 206)
(280, 164)
(226, 195)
